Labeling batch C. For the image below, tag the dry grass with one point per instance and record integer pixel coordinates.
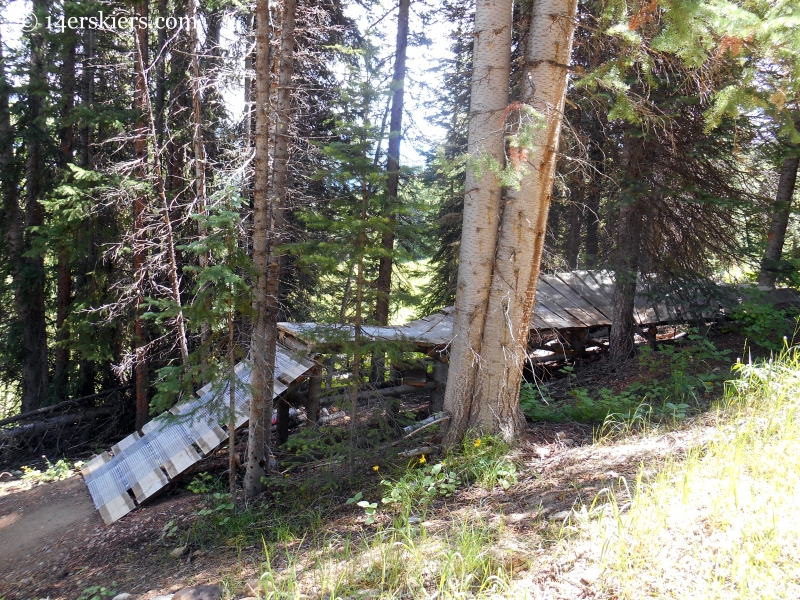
(722, 521)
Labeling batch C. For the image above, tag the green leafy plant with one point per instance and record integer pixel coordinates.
(764, 324)
(221, 509)
(369, 507)
(203, 483)
(62, 469)
(169, 530)
(97, 592)
(480, 460)
(681, 377)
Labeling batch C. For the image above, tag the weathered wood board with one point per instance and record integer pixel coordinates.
(564, 301)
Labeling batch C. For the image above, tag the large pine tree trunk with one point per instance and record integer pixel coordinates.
(515, 272)
(781, 210)
(141, 379)
(384, 283)
(11, 222)
(573, 241)
(64, 272)
(489, 99)
(179, 111)
(83, 283)
(627, 253)
(87, 98)
(261, 382)
(30, 291)
(161, 73)
(279, 190)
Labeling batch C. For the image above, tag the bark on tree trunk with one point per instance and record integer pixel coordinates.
(63, 268)
(87, 93)
(523, 221)
(30, 293)
(628, 250)
(86, 370)
(199, 158)
(278, 197)
(489, 99)
(592, 212)
(573, 237)
(161, 75)
(781, 210)
(141, 379)
(11, 222)
(261, 403)
(178, 113)
(384, 283)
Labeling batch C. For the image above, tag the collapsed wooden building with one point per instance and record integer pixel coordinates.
(570, 308)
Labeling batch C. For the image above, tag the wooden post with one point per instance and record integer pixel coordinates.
(439, 377)
(314, 390)
(329, 367)
(283, 420)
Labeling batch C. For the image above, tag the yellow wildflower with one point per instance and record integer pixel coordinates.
(422, 460)
(478, 442)
(375, 468)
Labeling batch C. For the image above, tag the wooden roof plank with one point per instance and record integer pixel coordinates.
(572, 302)
(556, 318)
(593, 298)
(558, 299)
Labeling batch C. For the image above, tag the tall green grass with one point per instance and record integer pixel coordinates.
(723, 521)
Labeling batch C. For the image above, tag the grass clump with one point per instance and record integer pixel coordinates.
(481, 460)
(396, 562)
(724, 522)
(405, 556)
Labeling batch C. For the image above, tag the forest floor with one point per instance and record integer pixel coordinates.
(307, 541)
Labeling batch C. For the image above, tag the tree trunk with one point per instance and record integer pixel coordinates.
(199, 163)
(87, 93)
(231, 400)
(628, 250)
(781, 210)
(161, 74)
(594, 141)
(141, 379)
(360, 247)
(31, 292)
(489, 99)
(86, 368)
(573, 244)
(11, 221)
(212, 67)
(277, 202)
(517, 258)
(64, 272)
(384, 283)
(261, 403)
(178, 114)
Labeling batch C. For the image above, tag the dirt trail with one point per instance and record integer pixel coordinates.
(32, 520)
(53, 544)
(41, 527)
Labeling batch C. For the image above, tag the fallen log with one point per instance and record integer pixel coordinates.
(60, 405)
(399, 390)
(71, 419)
